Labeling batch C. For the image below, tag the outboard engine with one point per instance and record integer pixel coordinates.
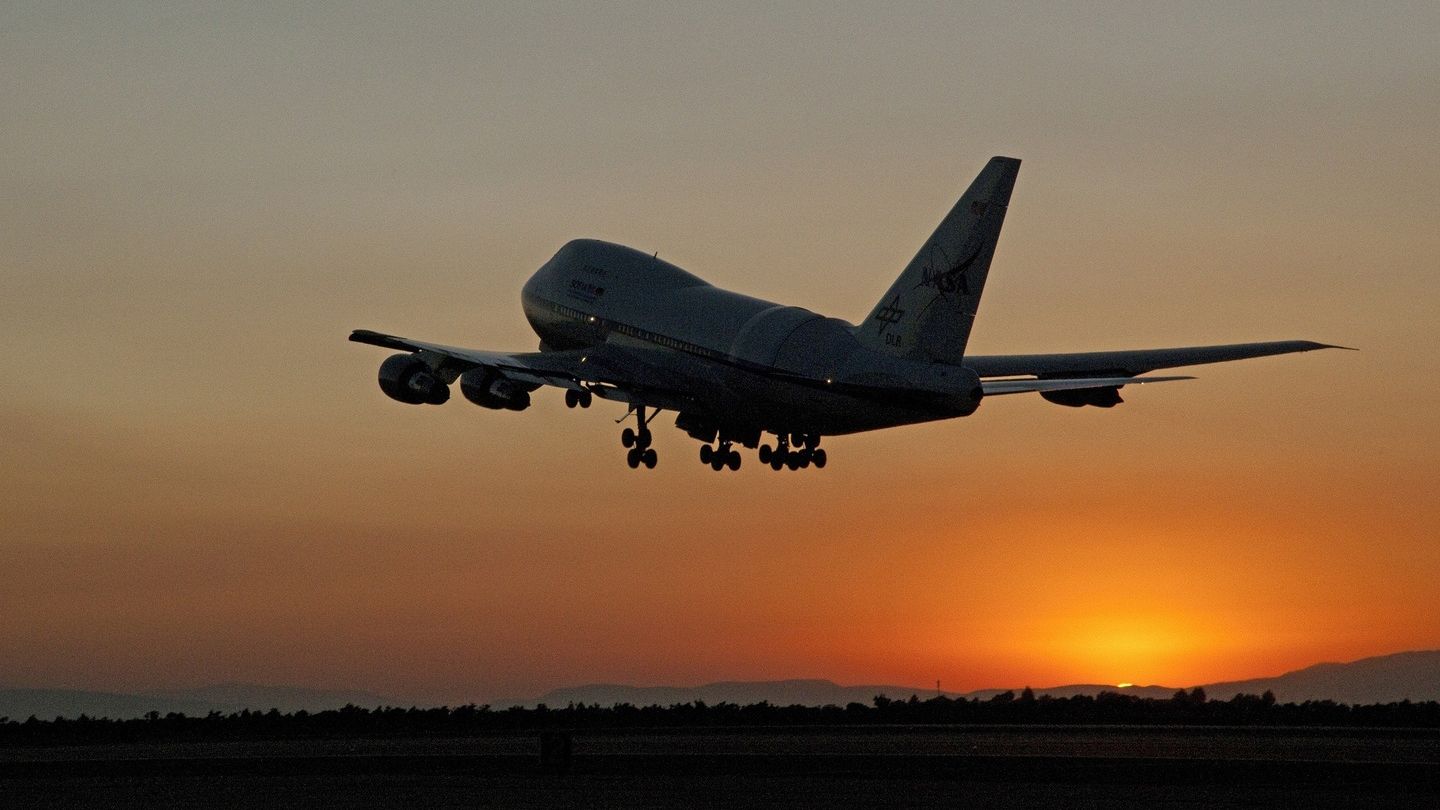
(1079, 398)
(406, 378)
(697, 427)
(490, 389)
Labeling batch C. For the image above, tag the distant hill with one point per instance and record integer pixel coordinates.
(804, 692)
(1382, 679)
(47, 704)
(231, 697)
(807, 692)
(1074, 689)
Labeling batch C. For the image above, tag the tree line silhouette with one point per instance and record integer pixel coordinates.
(1185, 708)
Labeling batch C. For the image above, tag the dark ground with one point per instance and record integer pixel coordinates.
(923, 766)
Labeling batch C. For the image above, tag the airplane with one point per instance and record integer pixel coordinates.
(623, 325)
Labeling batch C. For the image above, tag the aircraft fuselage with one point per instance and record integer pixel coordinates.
(753, 364)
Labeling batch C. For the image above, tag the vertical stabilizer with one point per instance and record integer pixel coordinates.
(927, 313)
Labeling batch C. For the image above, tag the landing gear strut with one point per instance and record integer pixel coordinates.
(638, 440)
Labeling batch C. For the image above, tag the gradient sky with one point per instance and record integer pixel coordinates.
(200, 481)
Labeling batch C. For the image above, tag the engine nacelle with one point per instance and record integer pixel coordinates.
(490, 389)
(697, 427)
(406, 378)
(1080, 397)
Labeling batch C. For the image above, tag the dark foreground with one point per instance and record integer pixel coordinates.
(891, 766)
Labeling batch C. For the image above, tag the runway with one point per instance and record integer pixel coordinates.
(864, 766)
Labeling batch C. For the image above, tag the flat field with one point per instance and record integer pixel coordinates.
(910, 766)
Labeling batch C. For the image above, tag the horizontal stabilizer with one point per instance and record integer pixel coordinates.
(997, 387)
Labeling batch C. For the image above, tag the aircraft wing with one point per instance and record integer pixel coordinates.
(1128, 363)
(606, 371)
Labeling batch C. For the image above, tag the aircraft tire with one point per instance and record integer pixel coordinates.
(765, 454)
(819, 459)
(650, 458)
(627, 437)
(706, 453)
(572, 398)
(733, 462)
(633, 458)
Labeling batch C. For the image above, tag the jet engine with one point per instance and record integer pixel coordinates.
(408, 379)
(1080, 397)
(697, 427)
(490, 389)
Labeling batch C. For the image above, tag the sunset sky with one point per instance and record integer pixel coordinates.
(200, 481)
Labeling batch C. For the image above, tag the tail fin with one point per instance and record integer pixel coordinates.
(928, 311)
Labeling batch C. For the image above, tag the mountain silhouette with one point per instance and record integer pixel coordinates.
(1382, 679)
(47, 704)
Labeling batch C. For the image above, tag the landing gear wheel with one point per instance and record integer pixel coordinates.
(765, 454)
(572, 398)
(627, 438)
(650, 458)
(812, 441)
(797, 439)
(642, 440)
(585, 398)
(633, 458)
(819, 458)
(706, 453)
(734, 461)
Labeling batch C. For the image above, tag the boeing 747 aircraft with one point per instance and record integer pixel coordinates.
(622, 325)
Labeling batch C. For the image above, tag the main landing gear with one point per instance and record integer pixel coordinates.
(581, 399)
(638, 441)
(720, 456)
(795, 451)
